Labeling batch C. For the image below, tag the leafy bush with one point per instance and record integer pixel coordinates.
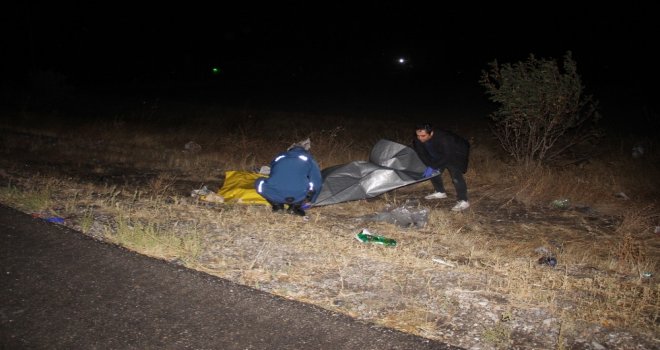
(543, 112)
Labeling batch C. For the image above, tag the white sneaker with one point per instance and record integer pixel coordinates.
(461, 205)
(436, 195)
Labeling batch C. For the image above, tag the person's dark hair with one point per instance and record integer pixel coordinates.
(425, 126)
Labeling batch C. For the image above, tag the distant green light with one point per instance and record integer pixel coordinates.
(215, 70)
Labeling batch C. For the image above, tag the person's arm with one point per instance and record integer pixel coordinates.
(440, 148)
(421, 153)
(315, 178)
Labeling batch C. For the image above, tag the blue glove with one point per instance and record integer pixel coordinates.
(306, 206)
(428, 172)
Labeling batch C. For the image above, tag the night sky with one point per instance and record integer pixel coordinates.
(305, 45)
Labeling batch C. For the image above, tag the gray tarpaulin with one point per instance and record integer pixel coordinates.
(391, 165)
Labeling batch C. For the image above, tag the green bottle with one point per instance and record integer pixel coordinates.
(365, 236)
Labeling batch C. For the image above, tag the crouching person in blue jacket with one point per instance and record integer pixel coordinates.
(294, 180)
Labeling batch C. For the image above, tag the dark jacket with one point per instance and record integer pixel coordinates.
(293, 174)
(445, 149)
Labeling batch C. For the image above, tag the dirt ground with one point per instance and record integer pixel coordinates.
(447, 280)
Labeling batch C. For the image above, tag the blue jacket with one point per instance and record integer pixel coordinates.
(293, 174)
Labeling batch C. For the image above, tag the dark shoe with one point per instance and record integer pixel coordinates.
(278, 208)
(296, 210)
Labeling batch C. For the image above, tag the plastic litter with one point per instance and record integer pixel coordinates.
(647, 274)
(543, 251)
(207, 195)
(200, 192)
(622, 196)
(55, 219)
(192, 147)
(212, 197)
(562, 203)
(45, 217)
(407, 215)
(444, 262)
(548, 260)
(365, 236)
(548, 257)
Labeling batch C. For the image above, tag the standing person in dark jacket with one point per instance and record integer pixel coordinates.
(440, 150)
(294, 180)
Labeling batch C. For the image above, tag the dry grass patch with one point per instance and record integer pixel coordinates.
(603, 249)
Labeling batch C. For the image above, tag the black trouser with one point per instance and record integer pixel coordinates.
(456, 178)
(294, 208)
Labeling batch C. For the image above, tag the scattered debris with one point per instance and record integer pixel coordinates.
(204, 194)
(548, 260)
(443, 262)
(407, 215)
(365, 236)
(562, 203)
(192, 147)
(55, 219)
(200, 192)
(46, 217)
(621, 195)
(543, 251)
(212, 198)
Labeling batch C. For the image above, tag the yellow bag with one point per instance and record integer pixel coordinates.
(239, 188)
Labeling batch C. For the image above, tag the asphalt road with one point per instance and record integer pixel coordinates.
(64, 290)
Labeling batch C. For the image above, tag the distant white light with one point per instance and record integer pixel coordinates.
(402, 60)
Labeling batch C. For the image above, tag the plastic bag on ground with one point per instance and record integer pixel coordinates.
(407, 215)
